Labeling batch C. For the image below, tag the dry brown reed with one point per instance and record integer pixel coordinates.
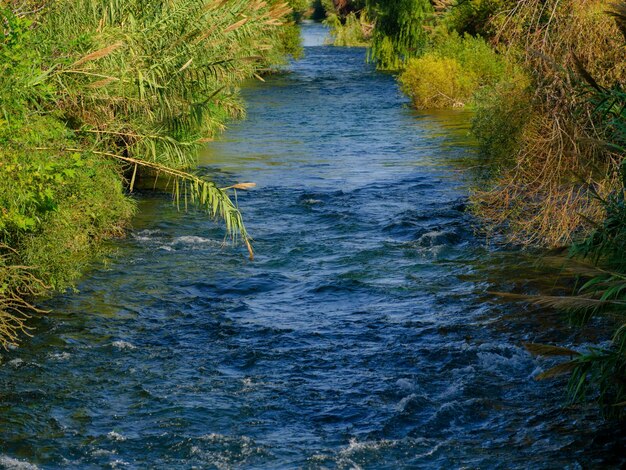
(17, 285)
(546, 196)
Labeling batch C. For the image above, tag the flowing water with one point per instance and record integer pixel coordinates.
(361, 337)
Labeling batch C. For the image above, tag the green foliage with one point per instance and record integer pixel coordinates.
(399, 33)
(599, 373)
(92, 90)
(299, 8)
(55, 206)
(354, 31)
(21, 81)
(475, 17)
(501, 113)
(607, 242)
(451, 72)
(395, 30)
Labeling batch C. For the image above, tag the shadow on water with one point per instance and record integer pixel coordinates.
(361, 337)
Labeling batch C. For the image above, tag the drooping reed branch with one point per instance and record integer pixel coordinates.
(17, 285)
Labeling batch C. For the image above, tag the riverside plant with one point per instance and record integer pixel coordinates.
(393, 30)
(599, 372)
(452, 71)
(539, 194)
(150, 96)
(92, 93)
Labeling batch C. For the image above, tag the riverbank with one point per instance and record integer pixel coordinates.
(92, 95)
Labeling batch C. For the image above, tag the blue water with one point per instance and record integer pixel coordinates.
(361, 337)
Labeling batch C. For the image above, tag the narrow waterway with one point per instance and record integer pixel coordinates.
(361, 337)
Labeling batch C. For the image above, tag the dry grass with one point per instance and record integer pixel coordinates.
(17, 285)
(545, 197)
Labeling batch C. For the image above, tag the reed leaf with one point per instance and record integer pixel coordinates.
(549, 350)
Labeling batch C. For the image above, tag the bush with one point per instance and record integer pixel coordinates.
(354, 31)
(501, 113)
(434, 82)
(451, 72)
(56, 206)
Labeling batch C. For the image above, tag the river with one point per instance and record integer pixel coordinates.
(360, 337)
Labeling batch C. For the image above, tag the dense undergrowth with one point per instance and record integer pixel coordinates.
(451, 71)
(92, 93)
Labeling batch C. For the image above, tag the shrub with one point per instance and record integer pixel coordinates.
(501, 114)
(451, 72)
(354, 31)
(56, 206)
(434, 82)
(543, 196)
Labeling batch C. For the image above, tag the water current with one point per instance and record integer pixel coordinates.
(360, 337)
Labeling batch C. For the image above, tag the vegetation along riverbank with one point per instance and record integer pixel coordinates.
(94, 94)
(379, 325)
(545, 80)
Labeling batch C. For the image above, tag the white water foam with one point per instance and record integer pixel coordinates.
(347, 455)
(231, 452)
(190, 242)
(16, 362)
(103, 453)
(406, 385)
(119, 464)
(9, 463)
(147, 235)
(123, 345)
(62, 356)
(116, 436)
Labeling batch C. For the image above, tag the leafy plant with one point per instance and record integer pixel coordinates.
(93, 93)
(399, 33)
(451, 71)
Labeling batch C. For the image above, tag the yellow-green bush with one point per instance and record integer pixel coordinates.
(451, 72)
(434, 82)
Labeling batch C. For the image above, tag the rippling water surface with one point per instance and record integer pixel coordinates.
(361, 337)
